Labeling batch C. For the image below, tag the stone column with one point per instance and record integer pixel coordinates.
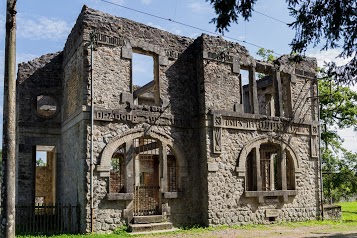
(283, 172)
(259, 176)
(279, 111)
(253, 94)
(129, 167)
(272, 179)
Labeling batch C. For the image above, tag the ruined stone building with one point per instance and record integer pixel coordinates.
(214, 137)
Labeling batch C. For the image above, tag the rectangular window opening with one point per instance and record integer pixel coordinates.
(45, 179)
(144, 79)
(266, 94)
(245, 96)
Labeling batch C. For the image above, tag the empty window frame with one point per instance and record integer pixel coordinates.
(116, 179)
(45, 177)
(46, 106)
(145, 85)
(246, 98)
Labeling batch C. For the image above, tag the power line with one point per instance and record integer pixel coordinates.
(186, 25)
(273, 18)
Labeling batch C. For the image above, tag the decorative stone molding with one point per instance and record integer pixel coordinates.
(146, 130)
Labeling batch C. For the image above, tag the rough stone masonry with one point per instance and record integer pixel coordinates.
(213, 137)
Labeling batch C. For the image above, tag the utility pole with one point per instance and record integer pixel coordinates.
(9, 126)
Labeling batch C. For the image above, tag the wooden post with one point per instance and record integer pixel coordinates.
(9, 125)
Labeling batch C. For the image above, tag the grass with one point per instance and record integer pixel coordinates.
(349, 220)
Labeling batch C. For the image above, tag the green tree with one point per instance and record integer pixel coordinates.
(338, 109)
(332, 23)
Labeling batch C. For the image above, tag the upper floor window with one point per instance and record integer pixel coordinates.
(145, 80)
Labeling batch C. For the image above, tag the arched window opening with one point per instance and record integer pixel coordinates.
(270, 167)
(116, 181)
(251, 172)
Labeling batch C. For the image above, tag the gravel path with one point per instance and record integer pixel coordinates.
(273, 232)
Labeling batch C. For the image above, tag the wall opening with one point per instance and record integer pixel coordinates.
(145, 78)
(46, 106)
(116, 179)
(45, 179)
(246, 99)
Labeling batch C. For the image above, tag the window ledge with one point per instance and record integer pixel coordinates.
(173, 195)
(120, 196)
(275, 193)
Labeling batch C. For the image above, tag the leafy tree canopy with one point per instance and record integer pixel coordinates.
(332, 23)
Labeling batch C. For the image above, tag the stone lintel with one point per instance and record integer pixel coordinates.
(120, 196)
(263, 67)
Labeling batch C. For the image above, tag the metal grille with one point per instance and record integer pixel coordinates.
(147, 188)
(116, 184)
(171, 172)
(146, 200)
(47, 220)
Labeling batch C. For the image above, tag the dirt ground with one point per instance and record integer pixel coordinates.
(273, 232)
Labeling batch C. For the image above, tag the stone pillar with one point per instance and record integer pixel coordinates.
(279, 111)
(283, 172)
(272, 179)
(259, 175)
(164, 178)
(129, 167)
(253, 94)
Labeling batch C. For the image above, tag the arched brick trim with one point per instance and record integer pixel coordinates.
(261, 140)
(110, 148)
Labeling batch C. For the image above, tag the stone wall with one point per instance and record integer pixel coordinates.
(178, 107)
(41, 76)
(196, 110)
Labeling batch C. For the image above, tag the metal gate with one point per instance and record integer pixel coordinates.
(147, 189)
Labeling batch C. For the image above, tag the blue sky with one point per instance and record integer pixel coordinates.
(43, 25)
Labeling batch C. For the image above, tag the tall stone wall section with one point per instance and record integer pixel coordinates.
(230, 131)
(177, 88)
(41, 76)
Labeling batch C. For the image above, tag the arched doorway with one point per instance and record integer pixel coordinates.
(147, 153)
(143, 169)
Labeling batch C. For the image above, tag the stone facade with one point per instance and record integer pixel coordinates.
(216, 151)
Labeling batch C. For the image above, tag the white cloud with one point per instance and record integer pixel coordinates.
(327, 56)
(146, 2)
(198, 7)
(42, 28)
